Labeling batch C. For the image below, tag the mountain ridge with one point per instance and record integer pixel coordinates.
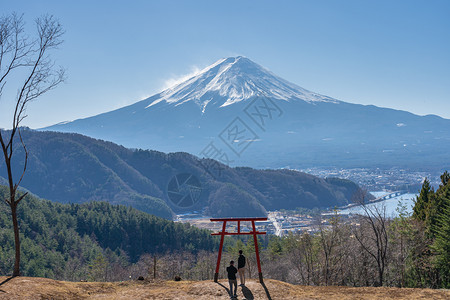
(71, 168)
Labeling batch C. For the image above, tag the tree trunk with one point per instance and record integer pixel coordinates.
(380, 273)
(16, 238)
(154, 267)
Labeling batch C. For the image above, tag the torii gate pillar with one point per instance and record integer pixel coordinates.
(223, 233)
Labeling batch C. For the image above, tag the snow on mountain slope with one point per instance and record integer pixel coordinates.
(232, 80)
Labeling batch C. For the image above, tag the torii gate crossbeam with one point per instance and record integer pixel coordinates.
(223, 233)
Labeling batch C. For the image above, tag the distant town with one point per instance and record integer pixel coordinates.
(279, 223)
(388, 186)
(392, 179)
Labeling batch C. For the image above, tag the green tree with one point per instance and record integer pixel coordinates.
(275, 247)
(98, 269)
(441, 231)
(401, 233)
(437, 205)
(445, 178)
(421, 204)
(434, 258)
(442, 247)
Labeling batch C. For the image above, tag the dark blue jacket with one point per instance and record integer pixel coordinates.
(232, 272)
(241, 261)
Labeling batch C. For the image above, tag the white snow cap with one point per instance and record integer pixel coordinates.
(235, 79)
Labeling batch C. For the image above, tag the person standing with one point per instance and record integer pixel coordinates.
(241, 267)
(231, 270)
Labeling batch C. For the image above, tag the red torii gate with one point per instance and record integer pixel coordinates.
(223, 233)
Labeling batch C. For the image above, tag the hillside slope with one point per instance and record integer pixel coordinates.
(62, 240)
(71, 168)
(41, 288)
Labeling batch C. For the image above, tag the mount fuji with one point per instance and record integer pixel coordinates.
(239, 113)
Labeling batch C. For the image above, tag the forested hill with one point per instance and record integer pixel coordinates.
(58, 239)
(72, 168)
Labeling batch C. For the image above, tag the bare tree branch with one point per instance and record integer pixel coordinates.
(375, 240)
(21, 197)
(17, 51)
(25, 162)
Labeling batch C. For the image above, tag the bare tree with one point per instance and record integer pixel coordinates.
(372, 233)
(329, 239)
(302, 254)
(22, 56)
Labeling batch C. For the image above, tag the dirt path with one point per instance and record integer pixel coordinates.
(42, 288)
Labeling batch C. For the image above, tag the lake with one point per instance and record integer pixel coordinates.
(391, 204)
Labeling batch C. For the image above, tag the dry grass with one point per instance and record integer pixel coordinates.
(42, 288)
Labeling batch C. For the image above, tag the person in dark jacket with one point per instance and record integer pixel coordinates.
(231, 270)
(241, 267)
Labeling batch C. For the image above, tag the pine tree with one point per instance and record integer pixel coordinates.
(445, 178)
(442, 245)
(438, 226)
(98, 269)
(421, 206)
(437, 205)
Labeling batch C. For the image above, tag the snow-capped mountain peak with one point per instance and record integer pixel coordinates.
(231, 80)
(219, 114)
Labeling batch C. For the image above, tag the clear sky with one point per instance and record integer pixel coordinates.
(387, 53)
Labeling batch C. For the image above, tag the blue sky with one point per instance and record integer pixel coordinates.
(387, 53)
